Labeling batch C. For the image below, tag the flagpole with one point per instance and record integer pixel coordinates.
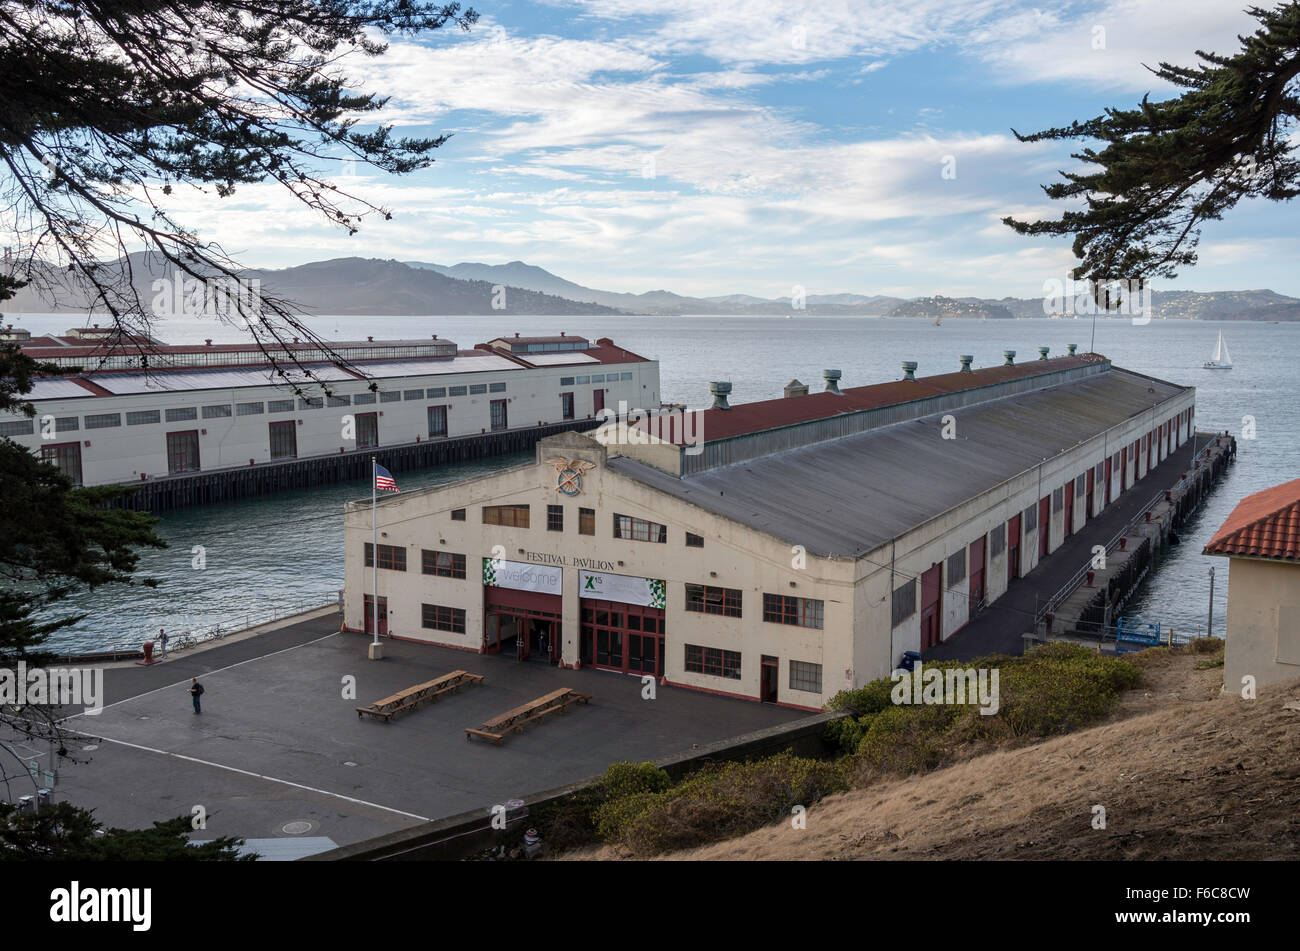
(374, 544)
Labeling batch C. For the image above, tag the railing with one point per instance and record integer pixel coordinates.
(192, 637)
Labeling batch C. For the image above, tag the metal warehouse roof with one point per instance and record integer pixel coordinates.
(460, 364)
(170, 381)
(848, 496)
(556, 359)
(53, 388)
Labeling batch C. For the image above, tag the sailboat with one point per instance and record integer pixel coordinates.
(1222, 359)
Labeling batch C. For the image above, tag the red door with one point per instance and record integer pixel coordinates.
(976, 573)
(1092, 485)
(1148, 452)
(931, 598)
(1123, 469)
(1013, 549)
(598, 399)
(1044, 524)
(370, 616)
(1109, 465)
(1069, 509)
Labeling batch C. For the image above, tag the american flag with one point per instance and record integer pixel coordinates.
(384, 479)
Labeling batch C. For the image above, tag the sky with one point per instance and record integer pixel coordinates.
(752, 146)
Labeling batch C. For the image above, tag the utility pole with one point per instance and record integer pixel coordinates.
(1210, 623)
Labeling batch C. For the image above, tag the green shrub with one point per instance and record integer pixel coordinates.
(625, 779)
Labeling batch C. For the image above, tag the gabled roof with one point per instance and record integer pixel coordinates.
(1263, 525)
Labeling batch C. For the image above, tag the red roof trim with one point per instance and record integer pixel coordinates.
(1263, 525)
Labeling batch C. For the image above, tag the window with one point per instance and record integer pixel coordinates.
(477, 389)
(183, 451)
(498, 414)
(957, 568)
(367, 430)
(437, 392)
(21, 427)
(639, 530)
(363, 399)
(998, 540)
(555, 518)
(249, 409)
(279, 406)
(284, 439)
(497, 388)
(443, 564)
(413, 394)
(1079, 487)
(141, 417)
(181, 414)
(713, 661)
(582, 379)
(312, 402)
(216, 412)
(338, 401)
(598, 378)
(393, 397)
(439, 618)
(801, 612)
(66, 424)
(586, 521)
(904, 603)
(625, 376)
(103, 420)
(66, 458)
(1031, 518)
(437, 420)
(805, 676)
(1058, 500)
(458, 515)
(566, 381)
(566, 405)
(513, 515)
(392, 557)
(710, 600)
(694, 541)
(456, 391)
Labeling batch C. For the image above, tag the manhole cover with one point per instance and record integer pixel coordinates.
(91, 748)
(295, 828)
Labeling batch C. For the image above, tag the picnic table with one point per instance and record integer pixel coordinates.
(515, 720)
(412, 697)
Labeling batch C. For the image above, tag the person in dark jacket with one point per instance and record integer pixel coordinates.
(196, 691)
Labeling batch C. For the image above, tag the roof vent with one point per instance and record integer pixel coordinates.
(795, 388)
(966, 360)
(370, 340)
(561, 333)
(208, 341)
(720, 389)
(909, 369)
(832, 378)
(516, 333)
(1042, 352)
(1072, 347)
(1011, 357)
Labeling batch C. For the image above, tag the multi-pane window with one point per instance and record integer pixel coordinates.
(182, 451)
(363, 399)
(392, 557)
(496, 388)
(566, 405)
(805, 676)
(998, 540)
(801, 612)
(711, 600)
(219, 411)
(639, 529)
(312, 402)
(625, 376)
(477, 389)
(1079, 487)
(598, 378)
(66, 424)
(499, 414)
(436, 392)
(443, 564)
(279, 406)
(438, 617)
(1058, 500)
(904, 603)
(142, 417)
(23, 427)
(512, 515)
(458, 515)
(457, 390)
(367, 430)
(103, 420)
(555, 518)
(65, 457)
(338, 401)
(249, 409)
(390, 397)
(413, 394)
(284, 439)
(566, 381)
(181, 414)
(694, 541)
(586, 521)
(957, 567)
(713, 661)
(437, 420)
(1031, 518)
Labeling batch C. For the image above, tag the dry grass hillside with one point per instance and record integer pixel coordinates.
(1182, 771)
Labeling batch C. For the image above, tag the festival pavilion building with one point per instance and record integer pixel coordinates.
(779, 550)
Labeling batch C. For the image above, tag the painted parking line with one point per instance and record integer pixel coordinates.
(246, 772)
(208, 674)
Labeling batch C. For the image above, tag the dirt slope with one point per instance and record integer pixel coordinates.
(1183, 773)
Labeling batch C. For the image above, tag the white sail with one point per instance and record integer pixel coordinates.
(1226, 359)
(1221, 360)
(1218, 351)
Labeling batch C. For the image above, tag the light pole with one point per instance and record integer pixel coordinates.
(1209, 625)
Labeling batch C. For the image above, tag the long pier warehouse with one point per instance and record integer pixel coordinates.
(779, 550)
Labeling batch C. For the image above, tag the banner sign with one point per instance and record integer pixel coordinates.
(622, 588)
(522, 577)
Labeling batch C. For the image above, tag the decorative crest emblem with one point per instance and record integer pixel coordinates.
(570, 471)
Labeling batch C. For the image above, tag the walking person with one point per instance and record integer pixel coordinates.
(196, 691)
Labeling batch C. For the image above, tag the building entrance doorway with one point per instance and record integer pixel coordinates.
(525, 623)
(623, 637)
(370, 615)
(771, 679)
(931, 601)
(1013, 548)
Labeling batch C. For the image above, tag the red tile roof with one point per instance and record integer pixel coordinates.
(1263, 525)
(747, 418)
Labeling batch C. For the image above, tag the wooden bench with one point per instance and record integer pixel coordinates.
(412, 697)
(497, 728)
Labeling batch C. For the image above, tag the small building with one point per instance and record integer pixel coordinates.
(778, 550)
(1261, 539)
